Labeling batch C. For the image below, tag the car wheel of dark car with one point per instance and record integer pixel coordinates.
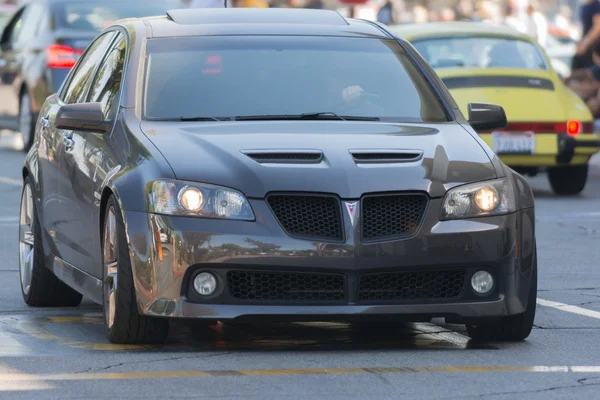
(26, 121)
(568, 180)
(39, 286)
(122, 319)
(513, 328)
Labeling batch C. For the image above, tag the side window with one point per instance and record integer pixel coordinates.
(81, 78)
(31, 21)
(107, 83)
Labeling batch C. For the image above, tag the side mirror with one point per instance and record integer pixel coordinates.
(486, 117)
(86, 117)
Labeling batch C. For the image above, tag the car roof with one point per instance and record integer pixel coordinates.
(431, 29)
(259, 21)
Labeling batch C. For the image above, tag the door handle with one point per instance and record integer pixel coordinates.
(68, 142)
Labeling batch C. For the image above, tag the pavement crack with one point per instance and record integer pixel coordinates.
(568, 289)
(580, 383)
(588, 302)
(96, 370)
(583, 381)
(565, 328)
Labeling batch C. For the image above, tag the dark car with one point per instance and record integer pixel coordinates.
(242, 164)
(41, 43)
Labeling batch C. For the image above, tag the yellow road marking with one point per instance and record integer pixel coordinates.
(37, 331)
(14, 377)
(78, 319)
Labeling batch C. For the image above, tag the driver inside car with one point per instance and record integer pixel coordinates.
(341, 89)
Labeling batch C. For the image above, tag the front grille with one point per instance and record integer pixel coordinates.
(398, 286)
(311, 217)
(392, 216)
(286, 286)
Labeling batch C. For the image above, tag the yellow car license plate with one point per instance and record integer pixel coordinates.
(513, 142)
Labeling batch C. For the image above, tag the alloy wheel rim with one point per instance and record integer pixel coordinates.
(25, 119)
(26, 239)
(110, 250)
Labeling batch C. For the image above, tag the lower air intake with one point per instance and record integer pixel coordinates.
(285, 286)
(406, 286)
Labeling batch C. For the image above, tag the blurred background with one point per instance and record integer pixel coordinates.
(560, 16)
(555, 24)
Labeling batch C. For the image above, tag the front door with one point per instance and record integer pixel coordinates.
(76, 238)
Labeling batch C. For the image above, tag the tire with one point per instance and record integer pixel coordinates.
(568, 180)
(514, 328)
(26, 121)
(39, 286)
(123, 321)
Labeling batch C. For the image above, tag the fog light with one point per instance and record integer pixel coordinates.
(205, 283)
(482, 282)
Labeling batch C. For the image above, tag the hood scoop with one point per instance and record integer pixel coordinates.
(385, 156)
(285, 156)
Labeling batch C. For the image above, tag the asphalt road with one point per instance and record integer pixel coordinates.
(62, 353)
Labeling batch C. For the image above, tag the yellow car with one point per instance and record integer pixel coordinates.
(549, 127)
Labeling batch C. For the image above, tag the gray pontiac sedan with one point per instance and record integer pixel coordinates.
(271, 164)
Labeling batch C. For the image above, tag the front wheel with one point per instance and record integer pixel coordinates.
(568, 180)
(124, 324)
(514, 328)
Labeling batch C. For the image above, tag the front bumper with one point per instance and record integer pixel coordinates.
(502, 245)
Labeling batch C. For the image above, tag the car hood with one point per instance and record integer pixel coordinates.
(217, 153)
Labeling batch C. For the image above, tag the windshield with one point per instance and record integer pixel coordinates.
(226, 77)
(480, 52)
(96, 15)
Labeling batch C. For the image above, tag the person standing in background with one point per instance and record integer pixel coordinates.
(385, 15)
(420, 14)
(562, 20)
(447, 15)
(536, 25)
(205, 3)
(315, 4)
(464, 10)
(512, 19)
(590, 21)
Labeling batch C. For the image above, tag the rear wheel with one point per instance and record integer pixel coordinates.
(26, 121)
(513, 328)
(569, 180)
(122, 319)
(39, 286)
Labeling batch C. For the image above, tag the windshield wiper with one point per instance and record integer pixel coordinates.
(304, 116)
(316, 115)
(204, 119)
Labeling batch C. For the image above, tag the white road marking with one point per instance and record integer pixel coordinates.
(11, 181)
(9, 221)
(569, 308)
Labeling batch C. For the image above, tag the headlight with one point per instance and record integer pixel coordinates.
(479, 199)
(198, 200)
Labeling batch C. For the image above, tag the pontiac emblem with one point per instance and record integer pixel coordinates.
(351, 207)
